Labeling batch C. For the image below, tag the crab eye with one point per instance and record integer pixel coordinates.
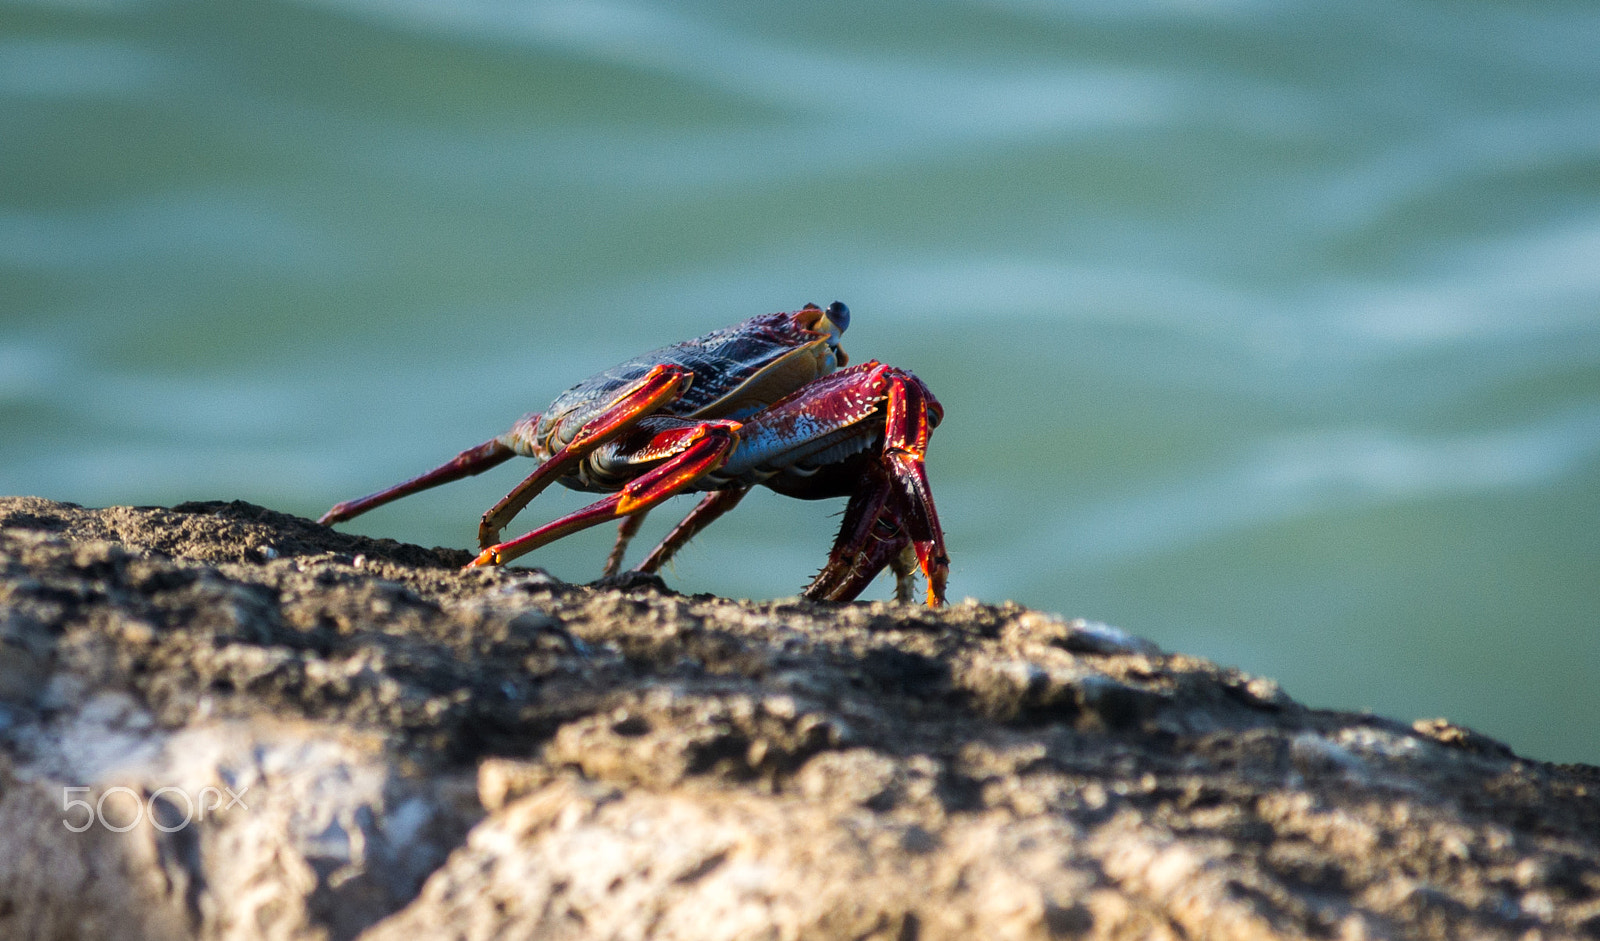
(840, 315)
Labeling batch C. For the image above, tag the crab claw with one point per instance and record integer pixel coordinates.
(880, 524)
(871, 537)
(912, 414)
(891, 508)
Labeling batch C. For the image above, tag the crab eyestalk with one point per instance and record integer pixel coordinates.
(833, 322)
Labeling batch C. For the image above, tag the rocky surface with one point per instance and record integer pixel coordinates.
(301, 733)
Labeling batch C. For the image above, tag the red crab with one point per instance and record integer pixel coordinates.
(759, 402)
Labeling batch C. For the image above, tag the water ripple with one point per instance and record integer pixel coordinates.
(843, 112)
(1541, 283)
(1298, 476)
(172, 227)
(1460, 156)
(80, 68)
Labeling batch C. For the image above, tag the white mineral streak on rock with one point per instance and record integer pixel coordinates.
(277, 829)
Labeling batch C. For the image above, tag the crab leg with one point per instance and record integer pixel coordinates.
(904, 566)
(625, 533)
(870, 537)
(906, 431)
(703, 448)
(711, 506)
(659, 386)
(471, 461)
(873, 536)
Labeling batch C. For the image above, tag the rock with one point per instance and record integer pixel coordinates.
(217, 721)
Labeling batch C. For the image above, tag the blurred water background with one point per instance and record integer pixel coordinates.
(1268, 330)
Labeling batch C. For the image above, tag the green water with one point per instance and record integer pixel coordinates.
(1269, 331)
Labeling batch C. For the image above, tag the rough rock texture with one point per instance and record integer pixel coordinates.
(307, 734)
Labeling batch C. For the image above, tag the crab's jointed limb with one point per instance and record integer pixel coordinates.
(706, 512)
(625, 533)
(696, 450)
(658, 387)
(476, 460)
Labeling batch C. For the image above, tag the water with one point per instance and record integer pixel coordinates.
(1269, 331)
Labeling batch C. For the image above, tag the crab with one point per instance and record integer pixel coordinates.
(772, 401)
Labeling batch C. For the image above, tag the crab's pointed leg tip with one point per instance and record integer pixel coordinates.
(486, 557)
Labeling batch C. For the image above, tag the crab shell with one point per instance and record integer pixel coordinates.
(738, 371)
